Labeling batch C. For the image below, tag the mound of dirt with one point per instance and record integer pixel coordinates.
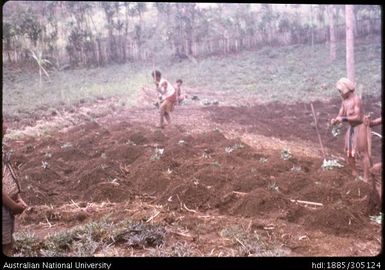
(293, 121)
(338, 221)
(259, 202)
(200, 171)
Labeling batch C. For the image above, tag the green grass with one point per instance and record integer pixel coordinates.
(87, 239)
(288, 74)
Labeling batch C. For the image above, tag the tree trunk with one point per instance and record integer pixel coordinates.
(311, 27)
(332, 34)
(354, 25)
(349, 43)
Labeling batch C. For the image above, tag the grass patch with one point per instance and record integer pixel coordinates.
(251, 244)
(88, 239)
(288, 74)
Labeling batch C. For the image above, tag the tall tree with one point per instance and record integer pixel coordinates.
(109, 11)
(332, 33)
(349, 43)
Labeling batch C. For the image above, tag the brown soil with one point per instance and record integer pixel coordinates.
(113, 159)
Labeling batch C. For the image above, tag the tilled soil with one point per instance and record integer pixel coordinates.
(202, 164)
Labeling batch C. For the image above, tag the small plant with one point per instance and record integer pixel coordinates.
(216, 164)
(263, 160)
(215, 102)
(273, 187)
(44, 164)
(330, 164)
(234, 147)
(66, 145)
(286, 154)
(41, 63)
(158, 153)
(377, 219)
(206, 102)
(296, 168)
(238, 146)
(336, 130)
(206, 153)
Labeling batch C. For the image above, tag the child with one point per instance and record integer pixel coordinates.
(12, 201)
(179, 97)
(168, 97)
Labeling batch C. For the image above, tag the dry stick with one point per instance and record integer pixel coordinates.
(240, 193)
(377, 134)
(307, 202)
(75, 204)
(152, 217)
(316, 127)
(190, 210)
(49, 223)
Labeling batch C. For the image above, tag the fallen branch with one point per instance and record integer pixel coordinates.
(190, 210)
(360, 199)
(49, 223)
(74, 203)
(307, 202)
(239, 241)
(240, 193)
(152, 217)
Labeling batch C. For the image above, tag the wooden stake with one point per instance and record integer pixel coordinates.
(307, 202)
(316, 127)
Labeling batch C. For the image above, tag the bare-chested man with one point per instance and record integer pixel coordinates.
(357, 138)
(168, 97)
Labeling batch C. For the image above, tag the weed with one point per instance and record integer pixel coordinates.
(336, 130)
(263, 160)
(26, 244)
(286, 154)
(330, 164)
(158, 153)
(44, 164)
(273, 187)
(140, 235)
(296, 168)
(377, 219)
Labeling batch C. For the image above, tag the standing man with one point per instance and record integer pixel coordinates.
(168, 94)
(357, 138)
(13, 204)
